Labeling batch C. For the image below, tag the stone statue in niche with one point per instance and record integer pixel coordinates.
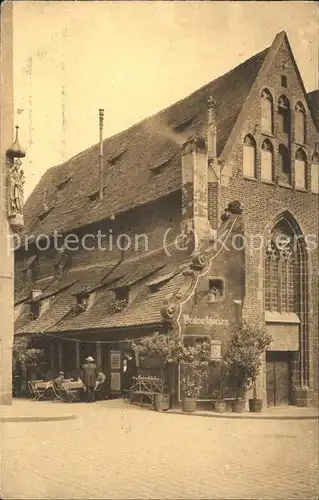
(15, 189)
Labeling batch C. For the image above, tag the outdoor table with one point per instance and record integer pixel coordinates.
(72, 389)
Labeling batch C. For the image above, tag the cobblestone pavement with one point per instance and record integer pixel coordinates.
(117, 451)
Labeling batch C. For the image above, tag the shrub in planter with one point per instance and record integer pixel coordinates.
(194, 362)
(24, 356)
(247, 344)
(171, 349)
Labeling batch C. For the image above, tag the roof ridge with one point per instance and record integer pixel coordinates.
(161, 111)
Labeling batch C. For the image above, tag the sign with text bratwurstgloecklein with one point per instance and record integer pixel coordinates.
(205, 320)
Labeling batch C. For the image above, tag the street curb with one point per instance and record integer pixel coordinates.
(30, 418)
(245, 417)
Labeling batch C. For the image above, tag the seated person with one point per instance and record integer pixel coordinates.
(59, 379)
(100, 379)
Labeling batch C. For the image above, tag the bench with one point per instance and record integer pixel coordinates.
(145, 388)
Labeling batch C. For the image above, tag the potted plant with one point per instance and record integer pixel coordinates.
(157, 345)
(194, 362)
(246, 346)
(220, 404)
(24, 356)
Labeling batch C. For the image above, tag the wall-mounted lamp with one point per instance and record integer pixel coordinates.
(15, 184)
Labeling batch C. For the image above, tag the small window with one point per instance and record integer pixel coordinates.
(63, 183)
(216, 289)
(315, 174)
(249, 157)
(300, 169)
(121, 298)
(284, 81)
(35, 307)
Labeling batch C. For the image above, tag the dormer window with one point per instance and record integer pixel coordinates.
(82, 300)
(35, 308)
(60, 185)
(121, 298)
(159, 165)
(31, 269)
(62, 262)
(35, 303)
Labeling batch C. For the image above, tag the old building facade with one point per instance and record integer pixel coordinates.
(157, 247)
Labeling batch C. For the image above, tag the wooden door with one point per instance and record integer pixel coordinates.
(115, 372)
(278, 378)
(270, 377)
(282, 371)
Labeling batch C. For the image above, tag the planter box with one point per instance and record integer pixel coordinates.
(255, 405)
(220, 406)
(162, 402)
(238, 405)
(189, 405)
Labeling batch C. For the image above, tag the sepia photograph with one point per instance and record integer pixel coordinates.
(159, 193)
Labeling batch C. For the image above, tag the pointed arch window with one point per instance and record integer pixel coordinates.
(284, 164)
(266, 104)
(267, 161)
(280, 271)
(300, 123)
(300, 169)
(249, 157)
(283, 115)
(315, 174)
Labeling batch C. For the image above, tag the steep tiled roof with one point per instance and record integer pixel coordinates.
(144, 309)
(142, 163)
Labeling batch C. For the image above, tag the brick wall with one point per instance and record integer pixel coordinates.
(264, 202)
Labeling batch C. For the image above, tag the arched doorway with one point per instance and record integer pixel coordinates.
(286, 311)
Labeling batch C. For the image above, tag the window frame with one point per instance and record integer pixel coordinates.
(266, 95)
(252, 146)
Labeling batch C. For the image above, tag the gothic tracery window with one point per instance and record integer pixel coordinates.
(280, 271)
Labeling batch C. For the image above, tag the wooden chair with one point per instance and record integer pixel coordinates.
(71, 393)
(31, 389)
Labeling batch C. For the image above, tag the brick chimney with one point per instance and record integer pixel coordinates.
(213, 166)
(195, 224)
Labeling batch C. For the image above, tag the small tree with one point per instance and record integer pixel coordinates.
(194, 361)
(25, 355)
(246, 346)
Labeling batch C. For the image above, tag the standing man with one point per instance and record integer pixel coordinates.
(89, 374)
